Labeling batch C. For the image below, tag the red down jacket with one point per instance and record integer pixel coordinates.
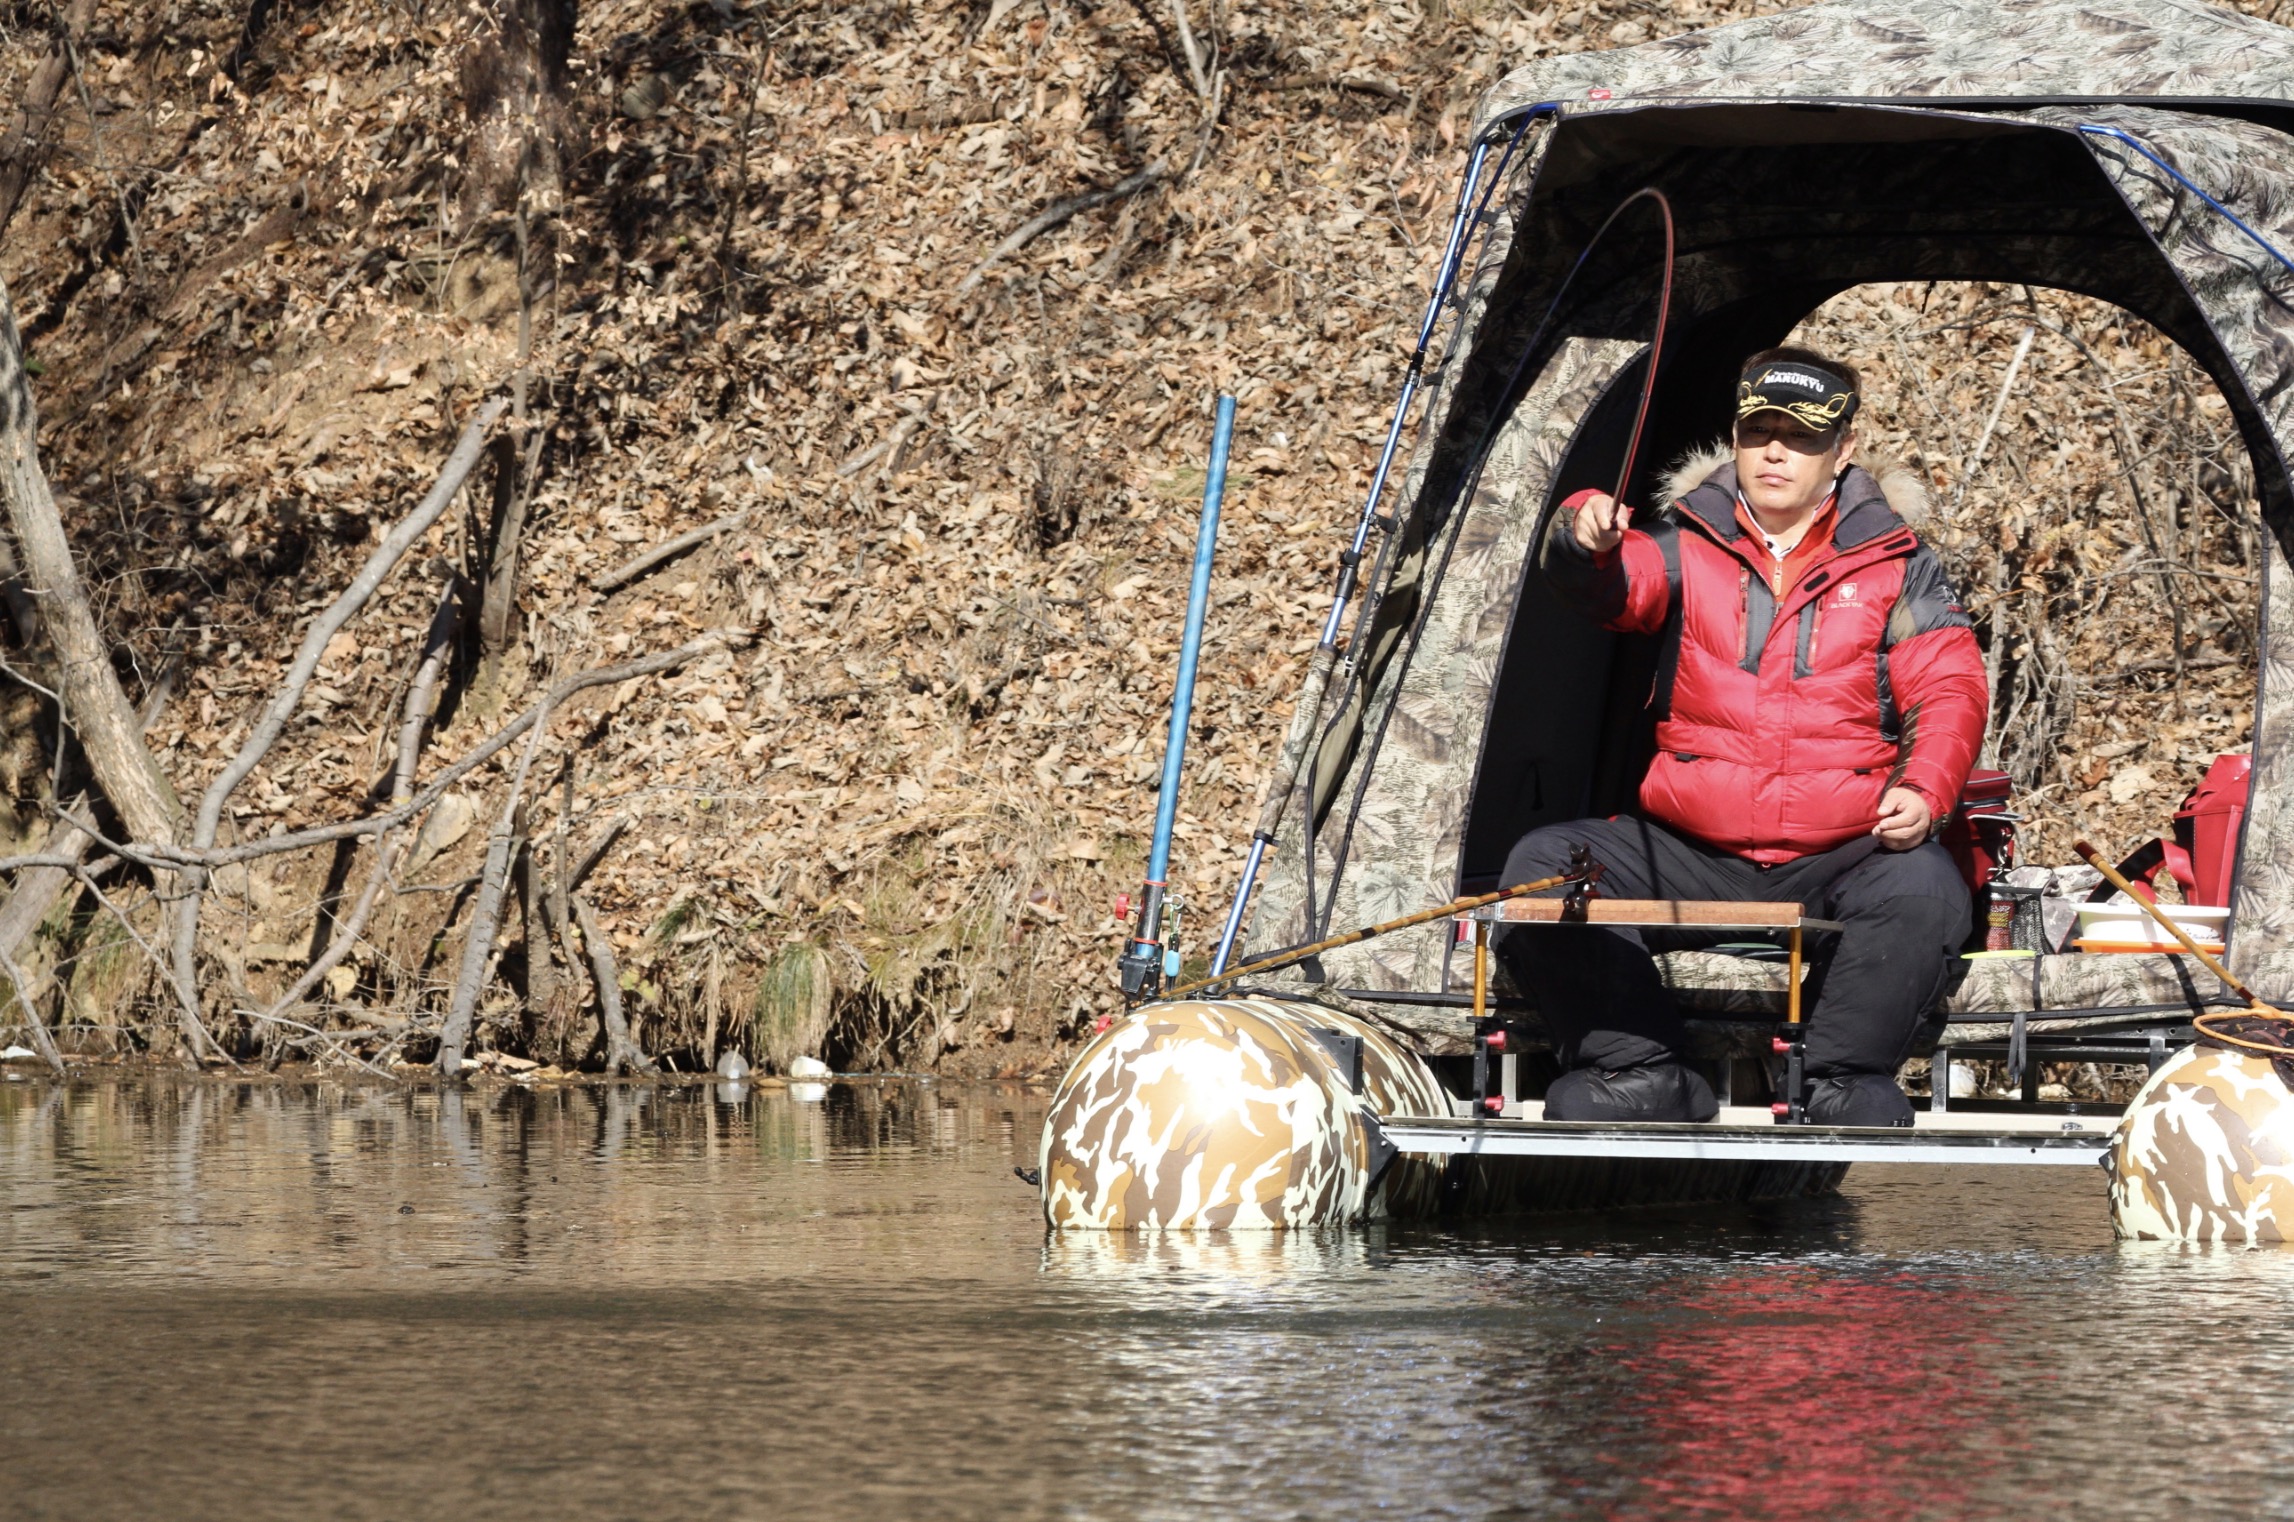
(1787, 722)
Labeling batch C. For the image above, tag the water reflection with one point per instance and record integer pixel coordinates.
(721, 1301)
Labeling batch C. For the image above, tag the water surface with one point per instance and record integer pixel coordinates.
(255, 1300)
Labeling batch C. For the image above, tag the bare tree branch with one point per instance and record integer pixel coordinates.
(378, 565)
(620, 1051)
(28, 1000)
(170, 858)
(493, 745)
(273, 723)
(1057, 214)
(421, 701)
(628, 572)
(486, 915)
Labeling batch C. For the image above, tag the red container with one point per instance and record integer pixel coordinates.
(2206, 827)
(1981, 833)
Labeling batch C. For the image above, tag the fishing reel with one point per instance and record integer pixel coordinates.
(1152, 958)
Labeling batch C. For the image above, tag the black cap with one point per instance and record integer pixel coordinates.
(1817, 395)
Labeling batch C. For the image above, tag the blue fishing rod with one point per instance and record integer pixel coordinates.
(1153, 954)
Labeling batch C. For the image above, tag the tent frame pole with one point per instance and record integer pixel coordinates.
(1325, 660)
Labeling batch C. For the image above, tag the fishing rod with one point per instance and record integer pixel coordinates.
(1480, 457)
(1153, 954)
(1455, 906)
(1467, 214)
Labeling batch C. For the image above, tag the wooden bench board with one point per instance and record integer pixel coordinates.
(1684, 913)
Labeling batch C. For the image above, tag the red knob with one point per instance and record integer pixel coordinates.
(1780, 1046)
(1495, 1041)
(1780, 1108)
(1494, 1104)
(1123, 906)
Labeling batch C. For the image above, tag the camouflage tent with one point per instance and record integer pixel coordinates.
(1803, 153)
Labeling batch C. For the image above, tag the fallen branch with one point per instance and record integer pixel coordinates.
(620, 1050)
(1211, 117)
(421, 701)
(629, 571)
(273, 723)
(29, 1001)
(374, 824)
(892, 442)
(595, 852)
(1058, 214)
(486, 916)
(1194, 53)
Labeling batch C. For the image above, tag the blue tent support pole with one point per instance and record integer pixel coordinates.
(1469, 211)
(1142, 963)
(2186, 182)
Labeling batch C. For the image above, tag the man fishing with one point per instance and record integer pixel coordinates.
(1818, 707)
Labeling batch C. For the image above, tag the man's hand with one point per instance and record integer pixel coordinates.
(1904, 819)
(1600, 524)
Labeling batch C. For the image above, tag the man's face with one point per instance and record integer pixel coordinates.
(1785, 467)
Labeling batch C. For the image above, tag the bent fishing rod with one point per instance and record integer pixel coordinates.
(1303, 739)
(1366, 767)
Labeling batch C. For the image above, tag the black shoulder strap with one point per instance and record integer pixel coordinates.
(1667, 534)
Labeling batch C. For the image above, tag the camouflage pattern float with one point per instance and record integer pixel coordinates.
(1241, 1113)
(2206, 1152)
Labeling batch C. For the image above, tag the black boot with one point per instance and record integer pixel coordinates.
(1858, 1099)
(1650, 1091)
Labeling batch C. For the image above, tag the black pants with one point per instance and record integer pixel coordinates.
(1598, 990)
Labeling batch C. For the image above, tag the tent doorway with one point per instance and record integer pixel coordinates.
(2089, 490)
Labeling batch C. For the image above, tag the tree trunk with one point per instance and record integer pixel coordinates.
(498, 601)
(96, 706)
(513, 88)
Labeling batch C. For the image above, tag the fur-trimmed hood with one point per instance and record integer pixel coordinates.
(1900, 484)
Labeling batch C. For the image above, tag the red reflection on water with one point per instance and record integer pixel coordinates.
(1796, 1394)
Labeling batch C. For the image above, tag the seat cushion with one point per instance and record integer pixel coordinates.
(1711, 983)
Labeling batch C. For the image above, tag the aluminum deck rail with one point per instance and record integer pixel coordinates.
(2073, 1141)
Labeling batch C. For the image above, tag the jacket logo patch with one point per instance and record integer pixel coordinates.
(1846, 594)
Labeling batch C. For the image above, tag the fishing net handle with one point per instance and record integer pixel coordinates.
(2256, 1007)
